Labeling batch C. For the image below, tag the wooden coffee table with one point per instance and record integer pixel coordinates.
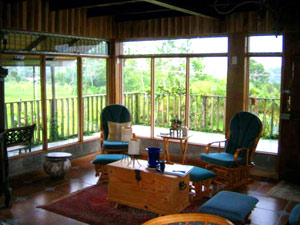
(145, 189)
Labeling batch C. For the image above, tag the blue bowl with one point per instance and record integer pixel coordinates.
(153, 156)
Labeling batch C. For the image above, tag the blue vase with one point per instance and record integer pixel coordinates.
(153, 156)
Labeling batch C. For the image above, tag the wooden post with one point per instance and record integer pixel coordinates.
(4, 181)
(54, 123)
(114, 75)
(187, 92)
(237, 87)
(44, 103)
(3, 73)
(152, 95)
(80, 99)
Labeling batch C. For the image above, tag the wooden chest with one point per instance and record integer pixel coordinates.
(147, 189)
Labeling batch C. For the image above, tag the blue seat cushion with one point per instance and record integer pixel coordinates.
(230, 205)
(294, 216)
(222, 159)
(115, 145)
(104, 159)
(199, 174)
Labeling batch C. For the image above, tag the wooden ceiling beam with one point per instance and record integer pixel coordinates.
(60, 5)
(128, 9)
(193, 7)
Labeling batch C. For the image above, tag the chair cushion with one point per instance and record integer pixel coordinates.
(230, 205)
(104, 159)
(222, 159)
(199, 174)
(115, 113)
(294, 216)
(115, 145)
(115, 130)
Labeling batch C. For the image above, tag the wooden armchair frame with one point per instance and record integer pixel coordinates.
(186, 218)
(236, 176)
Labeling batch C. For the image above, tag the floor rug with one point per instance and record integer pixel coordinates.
(286, 191)
(91, 206)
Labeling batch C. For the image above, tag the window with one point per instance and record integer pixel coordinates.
(208, 78)
(62, 100)
(22, 95)
(177, 46)
(201, 60)
(137, 93)
(170, 92)
(94, 94)
(265, 62)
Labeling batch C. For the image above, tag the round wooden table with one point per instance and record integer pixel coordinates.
(57, 164)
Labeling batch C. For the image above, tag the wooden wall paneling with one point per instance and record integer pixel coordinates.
(164, 27)
(52, 22)
(23, 13)
(71, 22)
(39, 15)
(84, 22)
(65, 21)
(236, 99)
(150, 27)
(88, 26)
(45, 16)
(14, 12)
(186, 22)
(30, 15)
(58, 22)
(101, 28)
(289, 143)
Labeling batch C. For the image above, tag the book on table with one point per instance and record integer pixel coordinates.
(178, 170)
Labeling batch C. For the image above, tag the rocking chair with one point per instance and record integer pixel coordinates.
(233, 165)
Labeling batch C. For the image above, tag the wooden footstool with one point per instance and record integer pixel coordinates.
(201, 181)
(230, 205)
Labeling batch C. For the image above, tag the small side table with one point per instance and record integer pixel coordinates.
(57, 164)
(183, 145)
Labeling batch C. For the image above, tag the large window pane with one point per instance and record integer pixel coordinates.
(264, 96)
(94, 94)
(207, 97)
(62, 100)
(170, 78)
(195, 45)
(265, 43)
(137, 94)
(22, 95)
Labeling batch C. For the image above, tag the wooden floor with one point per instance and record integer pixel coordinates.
(37, 188)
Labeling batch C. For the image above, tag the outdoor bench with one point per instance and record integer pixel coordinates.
(19, 138)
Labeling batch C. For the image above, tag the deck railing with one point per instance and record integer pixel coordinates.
(64, 124)
(207, 113)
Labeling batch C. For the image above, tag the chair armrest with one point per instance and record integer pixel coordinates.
(209, 145)
(238, 151)
(101, 141)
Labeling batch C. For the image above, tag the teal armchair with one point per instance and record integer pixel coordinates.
(119, 115)
(232, 166)
(113, 118)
